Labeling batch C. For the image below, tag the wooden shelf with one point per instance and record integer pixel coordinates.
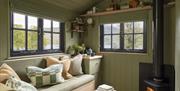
(80, 31)
(118, 11)
(170, 4)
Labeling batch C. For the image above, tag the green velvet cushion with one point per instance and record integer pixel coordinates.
(49, 76)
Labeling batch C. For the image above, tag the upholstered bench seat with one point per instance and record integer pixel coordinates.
(83, 82)
(71, 84)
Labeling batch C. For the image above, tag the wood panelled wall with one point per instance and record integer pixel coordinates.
(177, 54)
(4, 28)
(121, 70)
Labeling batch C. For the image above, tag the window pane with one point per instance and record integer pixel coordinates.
(19, 20)
(19, 40)
(128, 27)
(128, 41)
(138, 27)
(47, 25)
(115, 41)
(107, 41)
(56, 41)
(107, 28)
(32, 23)
(138, 41)
(32, 40)
(116, 28)
(56, 26)
(47, 41)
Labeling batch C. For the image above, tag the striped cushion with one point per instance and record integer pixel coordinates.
(41, 77)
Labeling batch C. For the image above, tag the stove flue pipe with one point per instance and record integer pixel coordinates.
(158, 60)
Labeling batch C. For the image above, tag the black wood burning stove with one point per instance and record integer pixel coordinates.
(158, 82)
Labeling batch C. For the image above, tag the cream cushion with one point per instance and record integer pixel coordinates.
(76, 65)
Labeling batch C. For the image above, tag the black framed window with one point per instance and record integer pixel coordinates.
(123, 37)
(32, 35)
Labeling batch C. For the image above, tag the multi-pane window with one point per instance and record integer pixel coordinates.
(124, 37)
(51, 38)
(33, 35)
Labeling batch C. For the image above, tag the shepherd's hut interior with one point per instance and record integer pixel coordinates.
(89, 45)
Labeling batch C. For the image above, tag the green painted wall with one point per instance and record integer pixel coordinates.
(169, 35)
(71, 40)
(177, 53)
(42, 9)
(4, 27)
(121, 70)
(38, 9)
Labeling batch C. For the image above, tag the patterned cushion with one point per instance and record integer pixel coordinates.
(41, 77)
(18, 85)
(3, 87)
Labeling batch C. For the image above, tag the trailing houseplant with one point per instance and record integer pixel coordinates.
(76, 49)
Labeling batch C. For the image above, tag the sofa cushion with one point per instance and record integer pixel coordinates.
(70, 84)
(6, 72)
(76, 65)
(66, 62)
(48, 76)
(3, 87)
(4, 77)
(18, 85)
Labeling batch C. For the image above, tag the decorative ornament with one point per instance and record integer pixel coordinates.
(90, 21)
(133, 3)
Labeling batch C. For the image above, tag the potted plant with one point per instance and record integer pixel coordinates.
(76, 49)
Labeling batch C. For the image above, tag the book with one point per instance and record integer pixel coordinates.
(105, 87)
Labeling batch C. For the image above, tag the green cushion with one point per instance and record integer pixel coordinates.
(49, 76)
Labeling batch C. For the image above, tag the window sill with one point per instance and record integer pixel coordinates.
(124, 53)
(35, 56)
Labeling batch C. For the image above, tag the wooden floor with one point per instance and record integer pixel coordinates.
(87, 87)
